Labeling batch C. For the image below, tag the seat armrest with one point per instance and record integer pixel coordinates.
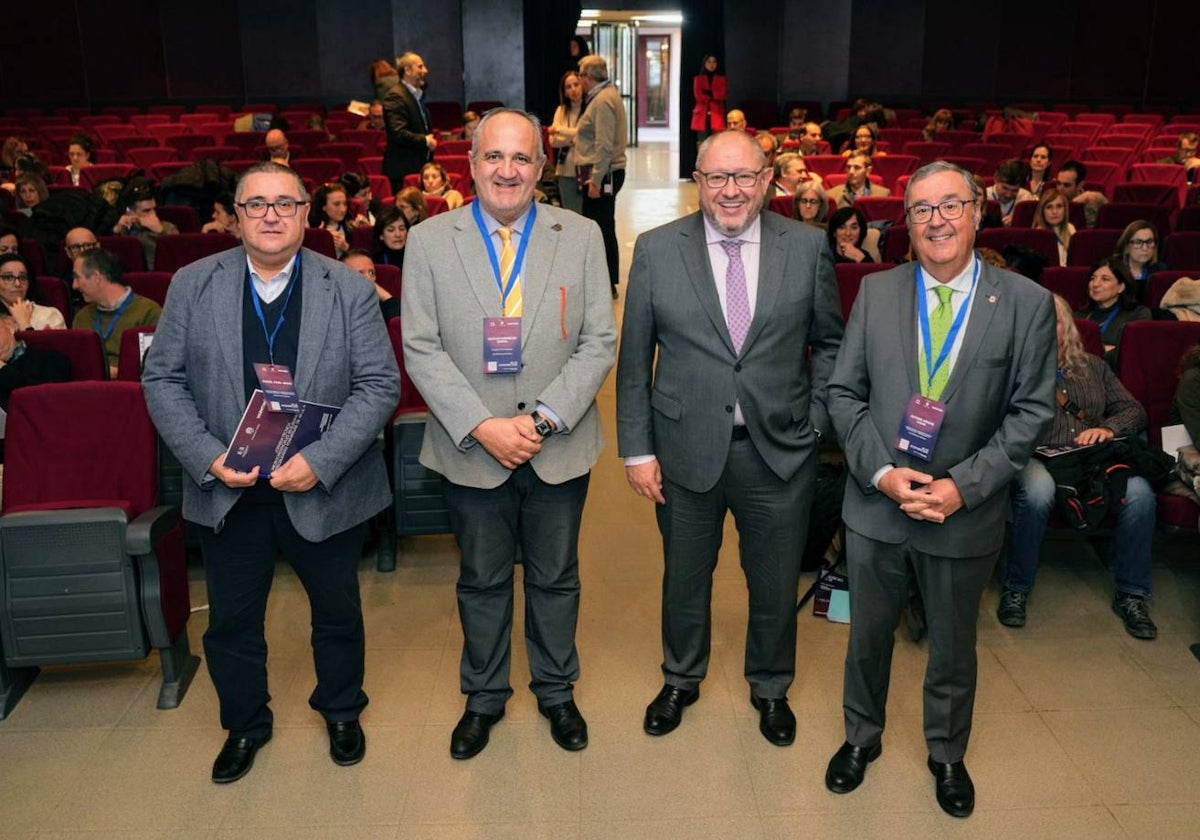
(145, 531)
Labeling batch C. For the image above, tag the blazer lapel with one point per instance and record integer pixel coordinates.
(228, 288)
(983, 308)
(906, 311)
(473, 253)
(539, 260)
(694, 252)
(318, 307)
(772, 255)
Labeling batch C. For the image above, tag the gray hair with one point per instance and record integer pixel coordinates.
(594, 67)
(532, 119)
(270, 167)
(944, 166)
(762, 156)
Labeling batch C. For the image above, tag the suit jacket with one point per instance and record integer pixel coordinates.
(406, 151)
(999, 397)
(196, 394)
(681, 409)
(844, 198)
(568, 341)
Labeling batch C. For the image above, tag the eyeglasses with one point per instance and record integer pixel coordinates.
(256, 208)
(717, 180)
(950, 210)
(1141, 243)
(82, 248)
(809, 202)
(14, 279)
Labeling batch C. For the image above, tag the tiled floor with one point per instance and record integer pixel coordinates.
(1080, 730)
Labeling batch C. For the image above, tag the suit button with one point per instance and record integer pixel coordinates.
(729, 409)
(738, 367)
(520, 406)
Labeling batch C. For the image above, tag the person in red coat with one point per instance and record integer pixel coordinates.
(709, 88)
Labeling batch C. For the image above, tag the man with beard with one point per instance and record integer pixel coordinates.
(410, 139)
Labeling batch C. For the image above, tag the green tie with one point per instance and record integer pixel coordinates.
(939, 328)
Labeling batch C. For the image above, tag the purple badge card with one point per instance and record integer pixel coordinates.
(920, 427)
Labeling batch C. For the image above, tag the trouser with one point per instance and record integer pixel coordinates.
(603, 211)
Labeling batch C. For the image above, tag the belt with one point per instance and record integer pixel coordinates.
(740, 433)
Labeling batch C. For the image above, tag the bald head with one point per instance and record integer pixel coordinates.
(277, 144)
(735, 120)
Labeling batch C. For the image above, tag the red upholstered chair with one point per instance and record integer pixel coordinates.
(363, 238)
(99, 172)
(1022, 215)
(895, 249)
(35, 253)
(1069, 281)
(898, 137)
(183, 217)
(1037, 239)
(992, 153)
(1188, 218)
(372, 165)
(1089, 334)
(322, 169)
(1103, 174)
(188, 121)
(927, 150)
(825, 165)
(246, 142)
(174, 252)
(309, 138)
(127, 249)
(92, 569)
(882, 208)
(1169, 196)
(184, 143)
(110, 131)
(129, 361)
(159, 171)
(321, 241)
(1104, 154)
(436, 204)
(784, 205)
(150, 284)
(448, 148)
(1149, 357)
(348, 153)
(1090, 246)
(144, 157)
(1183, 250)
(82, 347)
(1161, 281)
(891, 167)
(974, 165)
(210, 152)
(52, 291)
(1118, 214)
(446, 116)
(371, 140)
(849, 279)
(389, 277)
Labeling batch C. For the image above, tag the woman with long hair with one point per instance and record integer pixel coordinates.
(412, 204)
(435, 181)
(1039, 169)
(846, 235)
(18, 291)
(1138, 249)
(1111, 304)
(330, 208)
(1052, 214)
(562, 139)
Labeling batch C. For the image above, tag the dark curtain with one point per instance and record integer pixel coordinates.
(549, 25)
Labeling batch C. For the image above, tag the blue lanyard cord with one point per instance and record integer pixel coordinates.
(117, 313)
(1104, 325)
(495, 258)
(931, 366)
(258, 310)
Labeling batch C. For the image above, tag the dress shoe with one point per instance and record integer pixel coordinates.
(236, 758)
(471, 735)
(567, 726)
(849, 765)
(1011, 610)
(666, 710)
(1132, 609)
(955, 790)
(775, 720)
(347, 743)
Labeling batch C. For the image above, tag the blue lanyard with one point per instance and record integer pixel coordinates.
(1111, 317)
(258, 310)
(117, 313)
(926, 336)
(487, 240)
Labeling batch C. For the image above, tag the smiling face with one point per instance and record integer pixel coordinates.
(863, 141)
(730, 208)
(943, 247)
(335, 206)
(1104, 288)
(272, 239)
(849, 232)
(504, 165)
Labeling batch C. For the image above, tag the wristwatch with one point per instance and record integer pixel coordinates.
(540, 424)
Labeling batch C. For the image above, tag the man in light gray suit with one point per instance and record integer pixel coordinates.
(273, 301)
(508, 334)
(732, 301)
(943, 383)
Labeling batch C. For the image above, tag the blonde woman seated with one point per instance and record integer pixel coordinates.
(1052, 214)
(435, 181)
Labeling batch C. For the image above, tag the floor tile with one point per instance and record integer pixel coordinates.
(38, 771)
(1172, 821)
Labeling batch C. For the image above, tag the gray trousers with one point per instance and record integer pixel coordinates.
(951, 588)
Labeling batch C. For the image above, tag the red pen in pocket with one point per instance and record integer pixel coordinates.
(562, 310)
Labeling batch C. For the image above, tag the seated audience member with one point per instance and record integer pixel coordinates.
(79, 153)
(1007, 190)
(358, 188)
(1111, 304)
(941, 120)
(18, 291)
(29, 165)
(317, 123)
(470, 123)
(847, 236)
(812, 206)
(434, 181)
(14, 149)
(1185, 407)
(21, 365)
(1039, 170)
(797, 117)
(329, 210)
(791, 173)
(224, 219)
(735, 120)
(810, 139)
(769, 143)
(1138, 247)
(864, 142)
(1051, 214)
(111, 307)
(374, 118)
(277, 147)
(391, 235)
(411, 202)
(10, 243)
(858, 181)
(31, 191)
(1070, 183)
(1185, 154)
(360, 261)
(140, 219)
(1093, 407)
(78, 241)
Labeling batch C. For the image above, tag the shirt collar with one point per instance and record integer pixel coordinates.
(415, 91)
(960, 283)
(283, 276)
(599, 87)
(117, 305)
(491, 225)
(752, 234)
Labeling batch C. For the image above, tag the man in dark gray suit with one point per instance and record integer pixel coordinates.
(943, 383)
(513, 424)
(273, 301)
(732, 301)
(410, 137)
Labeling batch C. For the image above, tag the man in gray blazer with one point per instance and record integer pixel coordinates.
(600, 139)
(272, 301)
(943, 383)
(732, 301)
(508, 334)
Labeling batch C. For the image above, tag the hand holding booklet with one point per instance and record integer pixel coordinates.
(266, 439)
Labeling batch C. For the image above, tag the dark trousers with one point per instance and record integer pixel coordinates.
(239, 564)
(951, 588)
(543, 520)
(603, 211)
(772, 522)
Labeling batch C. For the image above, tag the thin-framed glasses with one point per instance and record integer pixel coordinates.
(717, 180)
(256, 208)
(950, 209)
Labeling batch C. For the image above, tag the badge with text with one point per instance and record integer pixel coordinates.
(920, 427)
(278, 389)
(501, 345)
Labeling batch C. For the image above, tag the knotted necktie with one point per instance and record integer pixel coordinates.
(513, 303)
(737, 299)
(939, 328)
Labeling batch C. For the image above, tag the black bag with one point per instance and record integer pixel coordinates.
(1089, 481)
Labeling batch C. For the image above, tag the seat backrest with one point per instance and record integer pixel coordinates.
(389, 278)
(150, 284)
(895, 249)
(881, 208)
(77, 441)
(363, 238)
(411, 400)
(849, 279)
(52, 291)
(784, 205)
(1188, 218)
(320, 169)
(174, 252)
(436, 204)
(1150, 354)
(127, 249)
(321, 241)
(1037, 239)
(1183, 250)
(1161, 281)
(1168, 196)
(183, 217)
(129, 360)
(825, 165)
(1089, 334)
(1022, 214)
(1090, 246)
(1118, 214)
(82, 347)
(1069, 281)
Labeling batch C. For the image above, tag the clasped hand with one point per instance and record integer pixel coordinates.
(293, 476)
(921, 496)
(510, 440)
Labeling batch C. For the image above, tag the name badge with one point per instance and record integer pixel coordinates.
(278, 389)
(920, 427)
(501, 345)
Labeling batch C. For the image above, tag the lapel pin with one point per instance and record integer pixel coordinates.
(556, 226)
(992, 298)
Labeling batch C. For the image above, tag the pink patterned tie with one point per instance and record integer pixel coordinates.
(737, 300)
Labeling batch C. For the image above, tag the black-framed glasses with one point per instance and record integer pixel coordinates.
(950, 209)
(1141, 243)
(809, 202)
(82, 248)
(717, 180)
(14, 279)
(256, 208)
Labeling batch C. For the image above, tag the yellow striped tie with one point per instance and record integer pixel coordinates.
(513, 303)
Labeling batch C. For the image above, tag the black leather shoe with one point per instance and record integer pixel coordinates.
(775, 720)
(347, 743)
(236, 758)
(567, 726)
(849, 765)
(955, 790)
(470, 736)
(666, 710)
